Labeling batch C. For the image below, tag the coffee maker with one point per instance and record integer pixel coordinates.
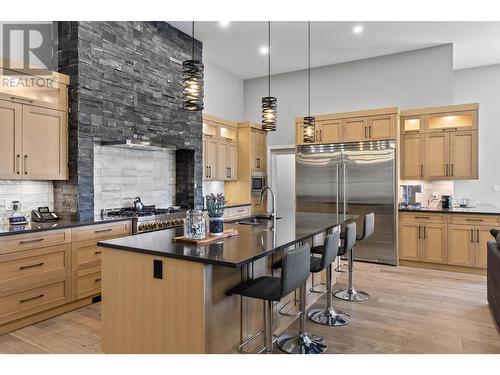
(409, 196)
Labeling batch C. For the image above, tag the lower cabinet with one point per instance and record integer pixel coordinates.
(458, 240)
(43, 274)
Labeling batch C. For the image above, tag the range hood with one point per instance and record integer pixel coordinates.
(136, 144)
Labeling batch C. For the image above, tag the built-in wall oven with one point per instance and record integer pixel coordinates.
(258, 182)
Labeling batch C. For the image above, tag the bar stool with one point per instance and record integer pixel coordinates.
(351, 294)
(328, 316)
(294, 274)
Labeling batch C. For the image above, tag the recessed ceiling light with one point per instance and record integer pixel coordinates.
(224, 23)
(264, 50)
(358, 29)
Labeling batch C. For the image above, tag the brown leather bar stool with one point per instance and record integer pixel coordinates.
(328, 315)
(351, 294)
(294, 274)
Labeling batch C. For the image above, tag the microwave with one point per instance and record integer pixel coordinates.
(258, 182)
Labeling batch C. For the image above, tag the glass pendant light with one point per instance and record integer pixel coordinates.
(269, 103)
(309, 121)
(192, 81)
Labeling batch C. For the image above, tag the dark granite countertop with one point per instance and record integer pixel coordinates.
(6, 229)
(251, 243)
(479, 209)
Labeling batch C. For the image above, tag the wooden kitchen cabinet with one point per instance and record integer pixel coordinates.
(219, 149)
(45, 144)
(461, 250)
(329, 131)
(354, 129)
(450, 142)
(34, 142)
(10, 140)
(412, 156)
(463, 155)
(436, 151)
(258, 150)
(422, 240)
(382, 127)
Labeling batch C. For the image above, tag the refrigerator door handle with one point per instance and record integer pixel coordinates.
(344, 207)
(337, 188)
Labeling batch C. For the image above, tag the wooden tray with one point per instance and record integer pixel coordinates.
(211, 238)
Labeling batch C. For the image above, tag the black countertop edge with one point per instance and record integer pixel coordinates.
(33, 227)
(218, 262)
(480, 209)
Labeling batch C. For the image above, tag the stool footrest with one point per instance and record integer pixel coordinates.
(248, 341)
(280, 311)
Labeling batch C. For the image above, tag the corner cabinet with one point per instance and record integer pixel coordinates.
(446, 138)
(220, 141)
(359, 126)
(36, 145)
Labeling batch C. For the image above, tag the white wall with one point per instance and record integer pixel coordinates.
(482, 85)
(223, 98)
(408, 80)
(223, 93)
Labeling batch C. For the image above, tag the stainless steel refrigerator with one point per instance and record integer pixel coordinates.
(353, 178)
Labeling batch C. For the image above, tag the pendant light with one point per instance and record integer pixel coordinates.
(192, 81)
(309, 121)
(269, 103)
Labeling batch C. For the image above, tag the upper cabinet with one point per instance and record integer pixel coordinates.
(447, 142)
(220, 139)
(369, 125)
(34, 126)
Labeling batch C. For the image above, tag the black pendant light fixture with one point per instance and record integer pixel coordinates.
(192, 81)
(269, 103)
(309, 121)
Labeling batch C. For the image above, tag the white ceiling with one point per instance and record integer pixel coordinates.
(236, 47)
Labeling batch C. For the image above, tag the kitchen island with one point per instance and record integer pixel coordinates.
(161, 296)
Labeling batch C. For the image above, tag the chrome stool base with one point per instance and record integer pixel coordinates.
(304, 343)
(351, 294)
(329, 317)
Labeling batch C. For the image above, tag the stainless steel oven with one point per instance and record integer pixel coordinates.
(258, 182)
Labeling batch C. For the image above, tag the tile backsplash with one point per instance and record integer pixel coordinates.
(122, 174)
(428, 187)
(31, 194)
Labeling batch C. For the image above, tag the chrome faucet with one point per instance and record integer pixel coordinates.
(273, 207)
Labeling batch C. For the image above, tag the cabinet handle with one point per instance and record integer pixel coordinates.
(97, 252)
(31, 298)
(365, 133)
(25, 164)
(446, 170)
(230, 172)
(321, 136)
(22, 99)
(451, 168)
(450, 129)
(472, 235)
(18, 160)
(474, 219)
(97, 280)
(103, 230)
(421, 170)
(422, 217)
(31, 266)
(411, 131)
(477, 236)
(419, 236)
(425, 233)
(31, 241)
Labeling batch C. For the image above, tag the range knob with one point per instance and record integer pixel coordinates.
(140, 227)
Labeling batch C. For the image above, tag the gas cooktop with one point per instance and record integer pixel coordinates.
(132, 212)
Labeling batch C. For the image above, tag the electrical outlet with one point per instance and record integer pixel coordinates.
(435, 194)
(8, 206)
(496, 187)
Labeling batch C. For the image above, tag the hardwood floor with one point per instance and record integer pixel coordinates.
(410, 310)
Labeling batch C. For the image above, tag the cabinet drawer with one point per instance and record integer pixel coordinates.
(19, 242)
(24, 303)
(422, 217)
(474, 220)
(101, 231)
(86, 254)
(32, 264)
(87, 285)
